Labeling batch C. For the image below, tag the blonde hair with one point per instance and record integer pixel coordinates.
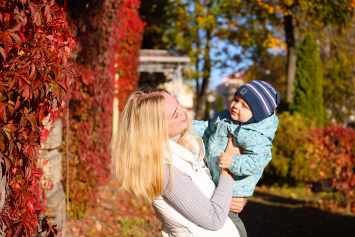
(138, 146)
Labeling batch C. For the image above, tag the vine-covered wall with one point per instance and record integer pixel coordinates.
(109, 33)
(35, 72)
(130, 36)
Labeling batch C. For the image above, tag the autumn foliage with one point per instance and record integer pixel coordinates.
(35, 74)
(303, 153)
(127, 55)
(330, 153)
(109, 33)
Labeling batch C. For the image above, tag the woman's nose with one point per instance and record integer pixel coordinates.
(182, 110)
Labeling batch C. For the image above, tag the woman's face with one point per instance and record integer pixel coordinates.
(175, 115)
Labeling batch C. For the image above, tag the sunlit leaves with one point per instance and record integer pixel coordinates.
(110, 38)
(330, 154)
(302, 153)
(27, 68)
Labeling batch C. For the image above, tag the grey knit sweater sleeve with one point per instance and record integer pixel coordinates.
(194, 205)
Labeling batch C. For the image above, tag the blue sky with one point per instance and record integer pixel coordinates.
(216, 72)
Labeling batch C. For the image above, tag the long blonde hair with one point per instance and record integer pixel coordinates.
(138, 146)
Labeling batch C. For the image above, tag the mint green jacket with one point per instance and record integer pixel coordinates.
(255, 139)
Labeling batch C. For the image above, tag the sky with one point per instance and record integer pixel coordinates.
(216, 72)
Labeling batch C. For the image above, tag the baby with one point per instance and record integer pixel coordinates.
(252, 122)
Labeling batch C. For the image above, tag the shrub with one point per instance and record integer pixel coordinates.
(288, 164)
(330, 154)
(35, 73)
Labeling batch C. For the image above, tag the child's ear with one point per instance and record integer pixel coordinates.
(278, 98)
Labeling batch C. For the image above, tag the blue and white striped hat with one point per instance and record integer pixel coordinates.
(261, 97)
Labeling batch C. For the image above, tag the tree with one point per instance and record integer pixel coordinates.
(154, 13)
(197, 26)
(191, 31)
(293, 12)
(220, 106)
(270, 68)
(338, 55)
(308, 94)
(207, 110)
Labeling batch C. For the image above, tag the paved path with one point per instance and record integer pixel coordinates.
(271, 216)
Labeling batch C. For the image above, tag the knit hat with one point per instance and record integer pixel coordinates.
(261, 97)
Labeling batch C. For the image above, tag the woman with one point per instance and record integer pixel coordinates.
(156, 159)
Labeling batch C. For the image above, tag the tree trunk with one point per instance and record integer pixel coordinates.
(291, 55)
(201, 92)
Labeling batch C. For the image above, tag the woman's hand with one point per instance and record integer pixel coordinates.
(238, 204)
(231, 150)
(226, 172)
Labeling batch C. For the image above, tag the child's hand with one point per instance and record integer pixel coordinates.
(231, 149)
(225, 160)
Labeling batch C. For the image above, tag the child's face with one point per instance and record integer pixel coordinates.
(240, 110)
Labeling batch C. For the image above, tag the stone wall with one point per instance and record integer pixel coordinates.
(2, 183)
(52, 176)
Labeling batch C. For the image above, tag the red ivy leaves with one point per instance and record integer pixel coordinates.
(114, 30)
(34, 68)
(127, 57)
(331, 153)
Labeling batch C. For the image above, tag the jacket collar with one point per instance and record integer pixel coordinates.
(194, 154)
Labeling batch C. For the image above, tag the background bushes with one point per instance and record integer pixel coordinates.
(303, 153)
(288, 164)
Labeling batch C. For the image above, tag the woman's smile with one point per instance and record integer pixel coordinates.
(184, 118)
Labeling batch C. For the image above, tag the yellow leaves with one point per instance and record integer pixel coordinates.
(287, 12)
(288, 2)
(20, 53)
(200, 20)
(281, 7)
(271, 9)
(206, 21)
(275, 44)
(211, 18)
(352, 5)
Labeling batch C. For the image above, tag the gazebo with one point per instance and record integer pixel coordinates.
(170, 62)
(165, 61)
